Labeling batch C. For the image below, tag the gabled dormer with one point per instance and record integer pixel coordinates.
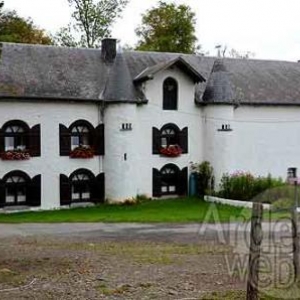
(171, 80)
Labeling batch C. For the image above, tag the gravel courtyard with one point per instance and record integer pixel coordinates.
(113, 261)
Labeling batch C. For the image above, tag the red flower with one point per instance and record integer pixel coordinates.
(82, 152)
(171, 151)
(15, 155)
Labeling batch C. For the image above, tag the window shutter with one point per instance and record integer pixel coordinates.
(156, 142)
(65, 190)
(34, 191)
(183, 140)
(98, 189)
(183, 181)
(64, 140)
(2, 193)
(156, 181)
(99, 141)
(35, 141)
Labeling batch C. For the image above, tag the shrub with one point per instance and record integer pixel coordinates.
(204, 177)
(245, 186)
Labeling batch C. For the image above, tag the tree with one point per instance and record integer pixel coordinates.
(14, 28)
(91, 22)
(232, 53)
(168, 28)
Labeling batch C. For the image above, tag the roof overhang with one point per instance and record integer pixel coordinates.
(179, 62)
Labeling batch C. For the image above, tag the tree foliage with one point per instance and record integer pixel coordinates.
(91, 22)
(14, 28)
(168, 28)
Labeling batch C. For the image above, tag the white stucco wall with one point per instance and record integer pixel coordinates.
(218, 144)
(267, 139)
(132, 177)
(50, 164)
(264, 139)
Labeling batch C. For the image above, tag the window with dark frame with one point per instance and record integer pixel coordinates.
(169, 180)
(80, 136)
(169, 135)
(170, 94)
(80, 187)
(15, 190)
(17, 137)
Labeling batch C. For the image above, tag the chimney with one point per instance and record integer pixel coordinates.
(108, 49)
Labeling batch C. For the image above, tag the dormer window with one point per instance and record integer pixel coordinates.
(170, 94)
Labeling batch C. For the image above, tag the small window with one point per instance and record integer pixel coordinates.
(80, 136)
(169, 136)
(15, 190)
(169, 180)
(15, 136)
(80, 187)
(170, 94)
(81, 133)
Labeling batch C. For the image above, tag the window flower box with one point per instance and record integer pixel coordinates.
(171, 151)
(82, 152)
(15, 155)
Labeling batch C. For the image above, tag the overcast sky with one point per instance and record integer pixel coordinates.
(268, 28)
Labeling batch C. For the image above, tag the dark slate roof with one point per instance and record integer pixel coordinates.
(219, 87)
(43, 72)
(119, 86)
(51, 72)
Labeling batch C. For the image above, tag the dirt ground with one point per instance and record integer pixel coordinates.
(48, 267)
(115, 261)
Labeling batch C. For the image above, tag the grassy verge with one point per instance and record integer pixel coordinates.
(182, 210)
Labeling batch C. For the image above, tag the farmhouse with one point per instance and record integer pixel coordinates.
(85, 125)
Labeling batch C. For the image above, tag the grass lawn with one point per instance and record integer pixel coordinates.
(181, 210)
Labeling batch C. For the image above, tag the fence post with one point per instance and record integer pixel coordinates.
(256, 236)
(296, 249)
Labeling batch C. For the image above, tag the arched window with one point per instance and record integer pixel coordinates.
(169, 179)
(170, 94)
(81, 133)
(81, 182)
(15, 135)
(169, 135)
(16, 184)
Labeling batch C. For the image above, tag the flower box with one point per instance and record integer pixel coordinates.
(171, 151)
(15, 155)
(82, 152)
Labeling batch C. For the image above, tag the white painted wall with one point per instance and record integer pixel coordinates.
(267, 139)
(125, 179)
(218, 144)
(50, 164)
